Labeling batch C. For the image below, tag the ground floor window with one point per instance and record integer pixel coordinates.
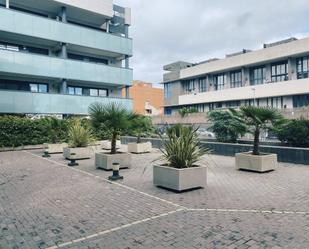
(17, 85)
(300, 100)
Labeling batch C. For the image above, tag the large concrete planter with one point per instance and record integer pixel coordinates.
(180, 179)
(258, 163)
(77, 153)
(55, 148)
(107, 145)
(139, 148)
(106, 160)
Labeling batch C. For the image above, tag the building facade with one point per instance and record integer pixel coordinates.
(59, 56)
(147, 100)
(276, 76)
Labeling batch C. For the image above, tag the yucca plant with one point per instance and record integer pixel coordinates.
(78, 135)
(257, 119)
(112, 117)
(181, 149)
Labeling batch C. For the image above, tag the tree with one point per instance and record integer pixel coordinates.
(187, 110)
(140, 125)
(257, 119)
(113, 117)
(226, 127)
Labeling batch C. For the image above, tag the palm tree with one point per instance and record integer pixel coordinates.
(257, 119)
(113, 117)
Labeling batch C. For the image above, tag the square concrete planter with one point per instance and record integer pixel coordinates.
(179, 179)
(107, 145)
(139, 148)
(55, 148)
(106, 160)
(77, 153)
(258, 163)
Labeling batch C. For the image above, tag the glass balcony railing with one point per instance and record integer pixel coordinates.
(46, 103)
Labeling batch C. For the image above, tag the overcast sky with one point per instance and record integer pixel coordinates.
(165, 31)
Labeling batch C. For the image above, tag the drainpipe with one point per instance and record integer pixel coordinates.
(127, 62)
(63, 53)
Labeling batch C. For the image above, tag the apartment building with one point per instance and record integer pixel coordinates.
(275, 76)
(147, 99)
(59, 56)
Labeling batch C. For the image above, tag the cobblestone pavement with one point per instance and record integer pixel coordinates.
(44, 204)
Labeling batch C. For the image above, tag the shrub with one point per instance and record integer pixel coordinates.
(78, 135)
(187, 110)
(294, 133)
(140, 126)
(182, 150)
(226, 127)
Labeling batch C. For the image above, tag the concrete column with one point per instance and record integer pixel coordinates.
(127, 62)
(64, 14)
(245, 77)
(126, 31)
(292, 69)
(64, 53)
(127, 92)
(7, 4)
(64, 85)
(268, 73)
(107, 26)
(227, 84)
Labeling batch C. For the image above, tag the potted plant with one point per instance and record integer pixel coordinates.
(115, 119)
(181, 155)
(80, 138)
(57, 129)
(140, 125)
(257, 119)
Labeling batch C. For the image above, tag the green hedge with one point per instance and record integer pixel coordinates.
(294, 133)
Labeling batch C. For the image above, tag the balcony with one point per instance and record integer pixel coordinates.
(283, 88)
(27, 64)
(43, 28)
(45, 103)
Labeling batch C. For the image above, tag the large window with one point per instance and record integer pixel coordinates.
(236, 79)
(303, 67)
(72, 90)
(87, 91)
(167, 91)
(38, 88)
(301, 100)
(219, 80)
(202, 85)
(279, 72)
(189, 86)
(258, 76)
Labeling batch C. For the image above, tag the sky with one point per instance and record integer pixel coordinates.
(165, 31)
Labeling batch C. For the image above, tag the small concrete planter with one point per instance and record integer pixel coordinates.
(107, 145)
(258, 163)
(106, 160)
(179, 179)
(77, 153)
(55, 148)
(139, 148)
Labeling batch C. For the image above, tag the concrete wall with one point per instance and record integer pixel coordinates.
(285, 154)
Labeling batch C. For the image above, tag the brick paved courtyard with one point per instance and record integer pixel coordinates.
(45, 204)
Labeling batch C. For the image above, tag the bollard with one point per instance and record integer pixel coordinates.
(72, 163)
(46, 154)
(115, 176)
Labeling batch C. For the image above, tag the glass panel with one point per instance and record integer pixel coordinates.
(93, 92)
(34, 88)
(78, 91)
(102, 92)
(42, 88)
(71, 90)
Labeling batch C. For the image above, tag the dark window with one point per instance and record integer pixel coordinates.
(236, 79)
(279, 72)
(167, 91)
(303, 67)
(202, 85)
(188, 86)
(86, 91)
(219, 80)
(257, 75)
(167, 111)
(87, 58)
(301, 100)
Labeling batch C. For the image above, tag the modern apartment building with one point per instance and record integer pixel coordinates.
(276, 76)
(59, 56)
(147, 100)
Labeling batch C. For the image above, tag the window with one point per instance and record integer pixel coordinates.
(202, 85)
(38, 88)
(85, 91)
(279, 72)
(301, 100)
(188, 86)
(97, 92)
(167, 91)
(72, 90)
(148, 111)
(258, 75)
(236, 79)
(167, 111)
(219, 81)
(303, 67)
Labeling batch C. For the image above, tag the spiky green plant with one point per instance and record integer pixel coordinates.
(112, 117)
(257, 119)
(182, 150)
(78, 135)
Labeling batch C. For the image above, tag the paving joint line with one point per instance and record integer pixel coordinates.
(69, 243)
(227, 210)
(108, 181)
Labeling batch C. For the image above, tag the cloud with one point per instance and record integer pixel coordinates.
(165, 31)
